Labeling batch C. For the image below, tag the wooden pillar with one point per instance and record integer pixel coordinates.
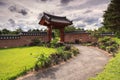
(49, 33)
(62, 35)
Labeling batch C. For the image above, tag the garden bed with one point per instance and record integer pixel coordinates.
(112, 69)
(17, 61)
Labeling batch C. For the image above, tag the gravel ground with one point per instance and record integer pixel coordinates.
(87, 64)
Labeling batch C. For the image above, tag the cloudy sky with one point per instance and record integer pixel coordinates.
(26, 14)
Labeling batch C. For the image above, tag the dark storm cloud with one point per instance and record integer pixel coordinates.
(18, 10)
(87, 11)
(2, 3)
(65, 1)
(12, 22)
(23, 12)
(13, 8)
(80, 12)
(42, 0)
(90, 20)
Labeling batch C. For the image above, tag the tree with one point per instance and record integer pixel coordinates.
(103, 30)
(67, 29)
(29, 30)
(18, 31)
(112, 17)
(70, 28)
(5, 31)
(35, 30)
(0, 32)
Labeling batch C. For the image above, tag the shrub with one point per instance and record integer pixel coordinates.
(59, 44)
(48, 45)
(55, 40)
(102, 47)
(112, 49)
(75, 52)
(116, 45)
(62, 53)
(67, 47)
(35, 42)
(60, 50)
(103, 40)
(42, 61)
(64, 56)
(55, 58)
(108, 44)
(68, 53)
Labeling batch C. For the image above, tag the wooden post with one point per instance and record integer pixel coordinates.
(49, 33)
(61, 34)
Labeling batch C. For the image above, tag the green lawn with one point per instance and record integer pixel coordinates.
(112, 69)
(15, 61)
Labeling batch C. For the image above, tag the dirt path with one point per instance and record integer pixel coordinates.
(88, 63)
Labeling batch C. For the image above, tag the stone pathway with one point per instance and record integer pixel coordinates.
(87, 64)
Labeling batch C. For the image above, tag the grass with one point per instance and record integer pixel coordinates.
(16, 61)
(112, 69)
(117, 40)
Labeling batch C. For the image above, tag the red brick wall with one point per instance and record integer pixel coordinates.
(26, 40)
(82, 37)
(23, 40)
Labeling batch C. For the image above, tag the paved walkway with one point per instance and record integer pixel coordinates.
(87, 64)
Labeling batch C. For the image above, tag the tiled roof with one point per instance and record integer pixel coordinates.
(12, 36)
(9, 36)
(33, 33)
(59, 19)
(107, 34)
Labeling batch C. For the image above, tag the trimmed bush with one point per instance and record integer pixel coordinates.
(44, 61)
(108, 44)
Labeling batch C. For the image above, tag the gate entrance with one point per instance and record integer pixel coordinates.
(54, 22)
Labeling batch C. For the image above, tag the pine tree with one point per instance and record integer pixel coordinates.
(112, 17)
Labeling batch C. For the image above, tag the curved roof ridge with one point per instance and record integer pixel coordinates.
(54, 15)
